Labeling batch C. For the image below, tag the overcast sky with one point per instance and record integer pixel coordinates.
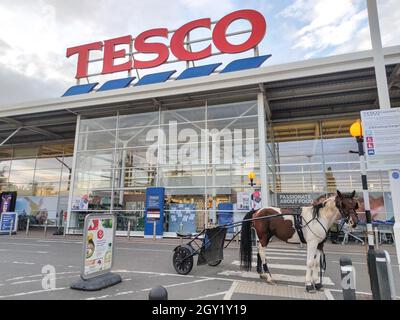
(34, 34)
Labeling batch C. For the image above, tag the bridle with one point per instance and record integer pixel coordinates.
(345, 215)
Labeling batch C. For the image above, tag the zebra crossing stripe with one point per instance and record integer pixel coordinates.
(276, 265)
(275, 277)
(283, 254)
(286, 250)
(269, 258)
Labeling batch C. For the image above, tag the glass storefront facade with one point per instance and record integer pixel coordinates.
(40, 174)
(201, 155)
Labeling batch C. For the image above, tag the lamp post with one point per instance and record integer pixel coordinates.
(251, 177)
(356, 132)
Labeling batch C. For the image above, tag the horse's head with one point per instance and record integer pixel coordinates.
(347, 206)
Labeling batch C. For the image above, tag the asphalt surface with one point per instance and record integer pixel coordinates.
(144, 264)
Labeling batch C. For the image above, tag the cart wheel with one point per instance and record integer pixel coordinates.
(182, 265)
(214, 263)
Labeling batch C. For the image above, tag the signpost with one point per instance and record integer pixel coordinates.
(382, 135)
(381, 129)
(154, 214)
(8, 223)
(98, 253)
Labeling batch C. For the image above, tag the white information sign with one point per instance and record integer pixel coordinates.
(243, 201)
(381, 130)
(98, 244)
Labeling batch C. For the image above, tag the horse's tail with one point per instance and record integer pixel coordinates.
(246, 255)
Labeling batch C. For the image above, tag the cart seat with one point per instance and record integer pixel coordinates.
(183, 235)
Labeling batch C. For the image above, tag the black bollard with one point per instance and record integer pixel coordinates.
(385, 276)
(158, 293)
(348, 278)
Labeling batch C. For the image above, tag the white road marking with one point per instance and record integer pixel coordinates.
(23, 251)
(101, 297)
(30, 292)
(275, 276)
(36, 280)
(276, 265)
(39, 275)
(285, 250)
(328, 294)
(25, 244)
(229, 293)
(59, 241)
(285, 258)
(150, 273)
(21, 262)
(142, 249)
(147, 289)
(209, 295)
(154, 273)
(269, 254)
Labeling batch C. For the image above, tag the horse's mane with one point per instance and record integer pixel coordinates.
(316, 209)
(319, 206)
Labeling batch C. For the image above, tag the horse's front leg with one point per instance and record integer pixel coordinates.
(316, 278)
(311, 253)
(262, 262)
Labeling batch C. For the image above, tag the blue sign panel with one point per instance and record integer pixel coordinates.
(225, 215)
(8, 221)
(154, 211)
(182, 218)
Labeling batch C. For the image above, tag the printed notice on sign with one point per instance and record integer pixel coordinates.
(98, 244)
(381, 138)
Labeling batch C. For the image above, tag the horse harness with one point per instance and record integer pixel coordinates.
(299, 226)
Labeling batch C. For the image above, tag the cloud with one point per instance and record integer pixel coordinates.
(17, 87)
(325, 23)
(34, 34)
(389, 15)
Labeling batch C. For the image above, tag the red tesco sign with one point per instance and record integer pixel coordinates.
(177, 44)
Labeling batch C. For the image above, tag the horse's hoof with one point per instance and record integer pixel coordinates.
(310, 289)
(319, 287)
(267, 278)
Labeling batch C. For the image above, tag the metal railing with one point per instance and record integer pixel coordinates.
(47, 223)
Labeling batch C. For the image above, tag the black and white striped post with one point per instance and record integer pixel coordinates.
(356, 132)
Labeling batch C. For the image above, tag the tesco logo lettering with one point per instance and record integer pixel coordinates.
(177, 44)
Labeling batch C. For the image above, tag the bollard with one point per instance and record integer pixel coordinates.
(158, 293)
(27, 226)
(11, 227)
(348, 276)
(45, 228)
(385, 276)
(154, 229)
(129, 229)
(376, 234)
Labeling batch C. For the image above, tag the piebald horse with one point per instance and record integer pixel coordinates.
(314, 223)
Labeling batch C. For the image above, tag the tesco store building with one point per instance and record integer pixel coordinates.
(192, 135)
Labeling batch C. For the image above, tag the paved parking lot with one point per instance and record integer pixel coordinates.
(144, 264)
